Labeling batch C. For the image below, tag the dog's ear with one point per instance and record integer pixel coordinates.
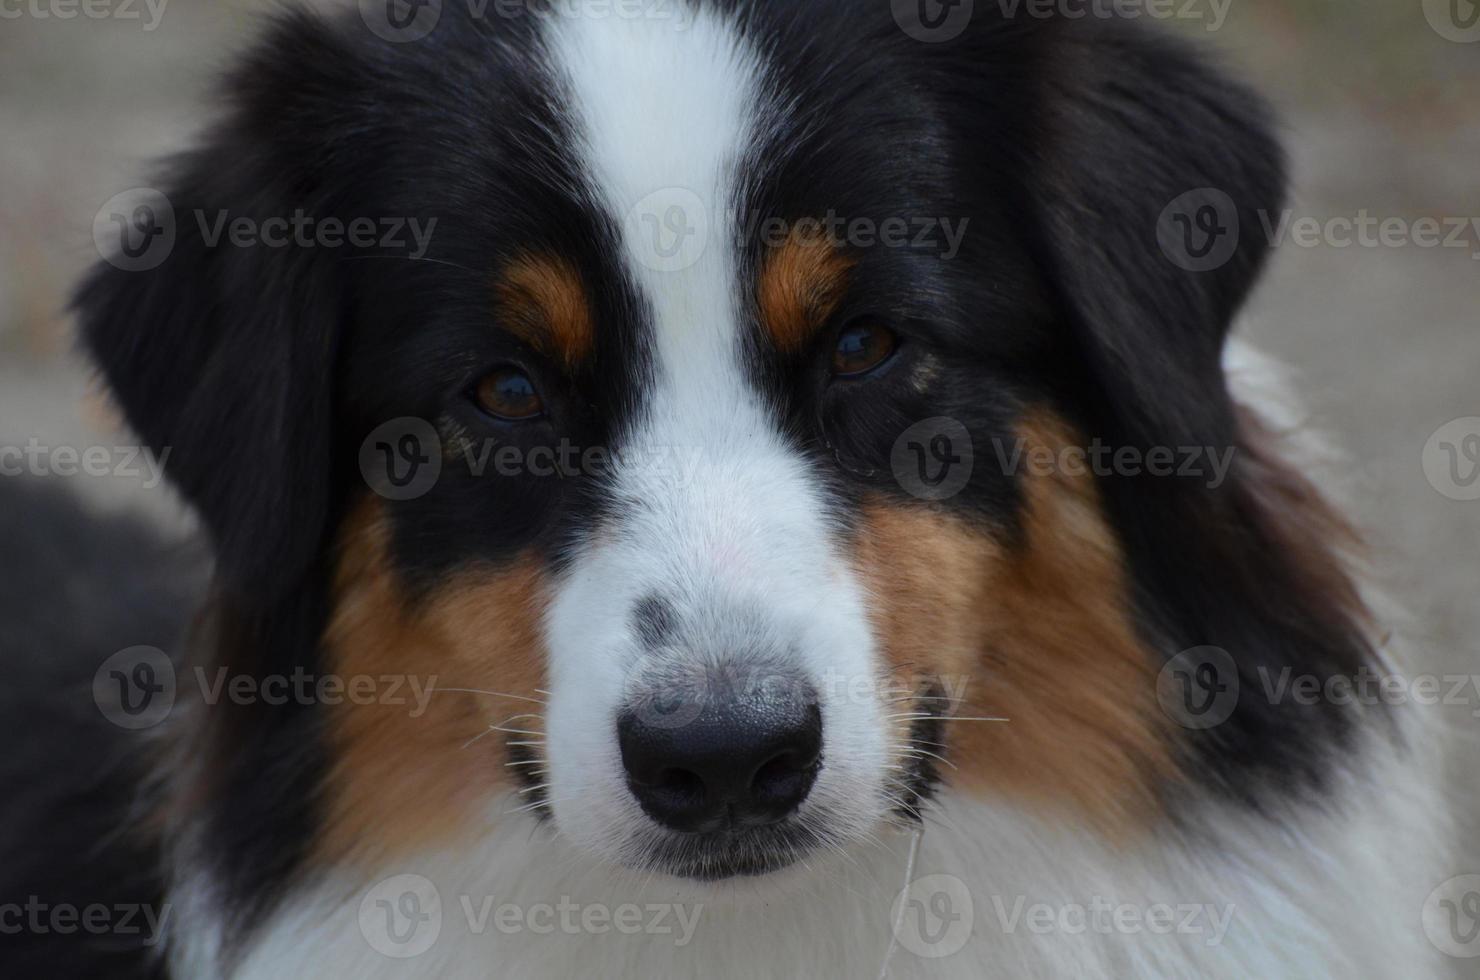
(1154, 178)
(1152, 173)
(218, 348)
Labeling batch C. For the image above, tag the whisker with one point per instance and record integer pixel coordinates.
(927, 752)
(482, 734)
(495, 694)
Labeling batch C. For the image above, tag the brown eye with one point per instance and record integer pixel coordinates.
(862, 346)
(508, 394)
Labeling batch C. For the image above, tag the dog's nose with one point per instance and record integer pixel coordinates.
(737, 762)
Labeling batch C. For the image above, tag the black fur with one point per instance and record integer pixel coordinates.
(77, 589)
(264, 369)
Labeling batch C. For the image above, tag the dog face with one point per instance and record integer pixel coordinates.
(725, 353)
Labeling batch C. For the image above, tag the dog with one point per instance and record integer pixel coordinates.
(730, 489)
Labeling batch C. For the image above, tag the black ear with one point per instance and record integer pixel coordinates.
(220, 352)
(1155, 177)
(1152, 172)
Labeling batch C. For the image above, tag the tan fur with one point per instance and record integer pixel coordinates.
(543, 301)
(1038, 631)
(801, 284)
(399, 783)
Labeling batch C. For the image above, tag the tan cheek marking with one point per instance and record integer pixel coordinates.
(543, 301)
(800, 286)
(399, 783)
(1041, 632)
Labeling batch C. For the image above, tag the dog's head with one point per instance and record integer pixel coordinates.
(726, 414)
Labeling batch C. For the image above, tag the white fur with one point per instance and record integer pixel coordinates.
(740, 547)
(742, 535)
(1331, 900)
(1335, 892)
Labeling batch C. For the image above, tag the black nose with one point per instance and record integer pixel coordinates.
(723, 763)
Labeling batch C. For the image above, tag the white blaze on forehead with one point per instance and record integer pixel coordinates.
(665, 110)
(717, 513)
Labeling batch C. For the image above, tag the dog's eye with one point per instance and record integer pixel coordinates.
(862, 346)
(508, 393)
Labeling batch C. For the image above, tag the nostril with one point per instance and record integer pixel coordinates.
(783, 780)
(676, 789)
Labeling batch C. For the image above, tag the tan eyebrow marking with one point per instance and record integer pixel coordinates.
(801, 284)
(544, 302)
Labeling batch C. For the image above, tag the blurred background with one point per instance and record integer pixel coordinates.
(1380, 101)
